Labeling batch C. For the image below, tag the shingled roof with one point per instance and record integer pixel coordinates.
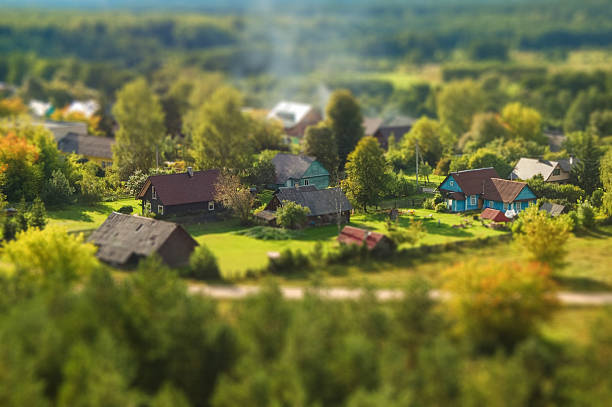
(472, 182)
(290, 166)
(123, 238)
(553, 209)
(182, 188)
(353, 235)
(494, 215)
(371, 125)
(497, 189)
(93, 146)
(319, 201)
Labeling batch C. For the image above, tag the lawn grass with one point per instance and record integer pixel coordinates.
(81, 217)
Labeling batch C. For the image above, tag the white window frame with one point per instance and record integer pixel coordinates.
(211, 205)
(473, 200)
(153, 193)
(160, 209)
(505, 206)
(306, 182)
(451, 183)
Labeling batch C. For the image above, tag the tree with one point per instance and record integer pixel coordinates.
(457, 104)
(585, 172)
(291, 215)
(429, 134)
(543, 238)
(141, 128)
(203, 264)
(486, 127)
(20, 175)
(345, 121)
(484, 158)
(235, 196)
(220, 132)
(366, 170)
(600, 123)
(262, 172)
(38, 214)
(265, 134)
(606, 179)
(523, 123)
(319, 142)
(57, 189)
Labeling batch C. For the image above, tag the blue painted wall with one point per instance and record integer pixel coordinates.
(525, 193)
(517, 206)
(447, 185)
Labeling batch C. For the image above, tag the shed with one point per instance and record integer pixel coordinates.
(494, 215)
(373, 240)
(553, 209)
(123, 240)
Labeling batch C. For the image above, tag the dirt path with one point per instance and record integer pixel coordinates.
(237, 292)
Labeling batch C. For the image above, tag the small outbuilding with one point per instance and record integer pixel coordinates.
(494, 215)
(123, 240)
(553, 209)
(374, 241)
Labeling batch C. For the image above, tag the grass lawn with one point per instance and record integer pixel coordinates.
(86, 217)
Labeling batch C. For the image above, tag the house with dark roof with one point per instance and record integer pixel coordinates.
(299, 170)
(397, 128)
(123, 240)
(325, 205)
(295, 117)
(94, 148)
(374, 241)
(551, 171)
(182, 193)
(482, 188)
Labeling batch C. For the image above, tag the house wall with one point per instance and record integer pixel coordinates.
(562, 177)
(446, 184)
(176, 250)
(517, 206)
(468, 203)
(456, 206)
(525, 193)
(316, 175)
(197, 207)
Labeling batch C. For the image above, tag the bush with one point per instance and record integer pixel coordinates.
(564, 194)
(570, 220)
(345, 253)
(499, 303)
(288, 261)
(586, 215)
(203, 264)
(291, 215)
(267, 233)
(429, 203)
(38, 214)
(127, 209)
(441, 207)
(57, 190)
(597, 198)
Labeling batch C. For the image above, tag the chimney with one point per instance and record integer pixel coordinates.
(190, 171)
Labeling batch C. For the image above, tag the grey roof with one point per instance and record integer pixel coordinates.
(122, 236)
(93, 146)
(62, 129)
(555, 140)
(527, 168)
(319, 201)
(552, 208)
(371, 125)
(290, 166)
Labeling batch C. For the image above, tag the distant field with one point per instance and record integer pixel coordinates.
(87, 217)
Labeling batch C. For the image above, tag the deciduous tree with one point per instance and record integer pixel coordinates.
(235, 196)
(320, 143)
(366, 170)
(345, 120)
(457, 104)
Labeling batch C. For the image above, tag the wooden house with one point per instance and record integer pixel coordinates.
(397, 128)
(326, 205)
(191, 192)
(295, 117)
(299, 170)
(123, 240)
(94, 148)
(551, 171)
(482, 188)
(374, 241)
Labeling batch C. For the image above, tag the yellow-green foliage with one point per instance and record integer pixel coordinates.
(543, 238)
(499, 302)
(49, 253)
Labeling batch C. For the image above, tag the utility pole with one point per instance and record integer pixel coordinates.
(156, 158)
(416, 148)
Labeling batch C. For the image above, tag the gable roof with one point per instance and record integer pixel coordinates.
(181, 188)
(319, 201)
(552, 208)
(353, 235)
(93, 146)
(498, 189)
(494, 215)
(527, 168)
(370, 125)
(291, 166)
(62, 129)
(122, 236)
(290, 113)
(396, 131)
(471, 181)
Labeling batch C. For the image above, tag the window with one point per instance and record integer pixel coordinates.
(450, 203)
(211, 206)
(153, 193)
(160, 209)
(451, 183)
(505, 206)
(473, 200)
(148, 206)
(557, 172)
(306, 182)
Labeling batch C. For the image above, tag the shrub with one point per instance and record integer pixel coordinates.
(291, 215)
(127, 209)
(441, 207)
(429, 203)
(135, 182)
(570, 220)
(57, 190)
(38, 214)
(203, 264)
(499, 303)
(288, 261)
(267, 233)
(346, 253)
(597, 198)
(586, 215)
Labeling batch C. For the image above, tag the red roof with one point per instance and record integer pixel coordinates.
(353, 235)
(494, 215)
(177, 189)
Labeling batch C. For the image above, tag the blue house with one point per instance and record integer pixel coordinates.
(482, 188)
(299, 170)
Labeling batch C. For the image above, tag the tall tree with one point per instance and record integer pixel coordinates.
(235, 196)
(141, 128)
(366, 170)
(345, 120)
(523, 123)
(585, 173)
(432, 139)
(457, 104)
(220, 132)
(606, 180)
(319, 142)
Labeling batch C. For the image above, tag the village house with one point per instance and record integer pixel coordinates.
(551, 171)
(295, 117)
(482, 188)
(123, 240)
(374, 241)
(326, 205)
(93, 148)
(298, 170)
(397, 128)
(181, 194)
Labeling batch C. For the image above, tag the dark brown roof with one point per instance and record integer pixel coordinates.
(177, 189)
(93, 146)
(122, 238)
(497, 189)
(494, 215)
(353, 235)
(471, 181)
(457, 196)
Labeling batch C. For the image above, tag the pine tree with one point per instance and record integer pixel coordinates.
(345, 120)
(38, 214)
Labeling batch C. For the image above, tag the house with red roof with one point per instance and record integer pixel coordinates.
(374, 241)
(483, 188)
(180, 194)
